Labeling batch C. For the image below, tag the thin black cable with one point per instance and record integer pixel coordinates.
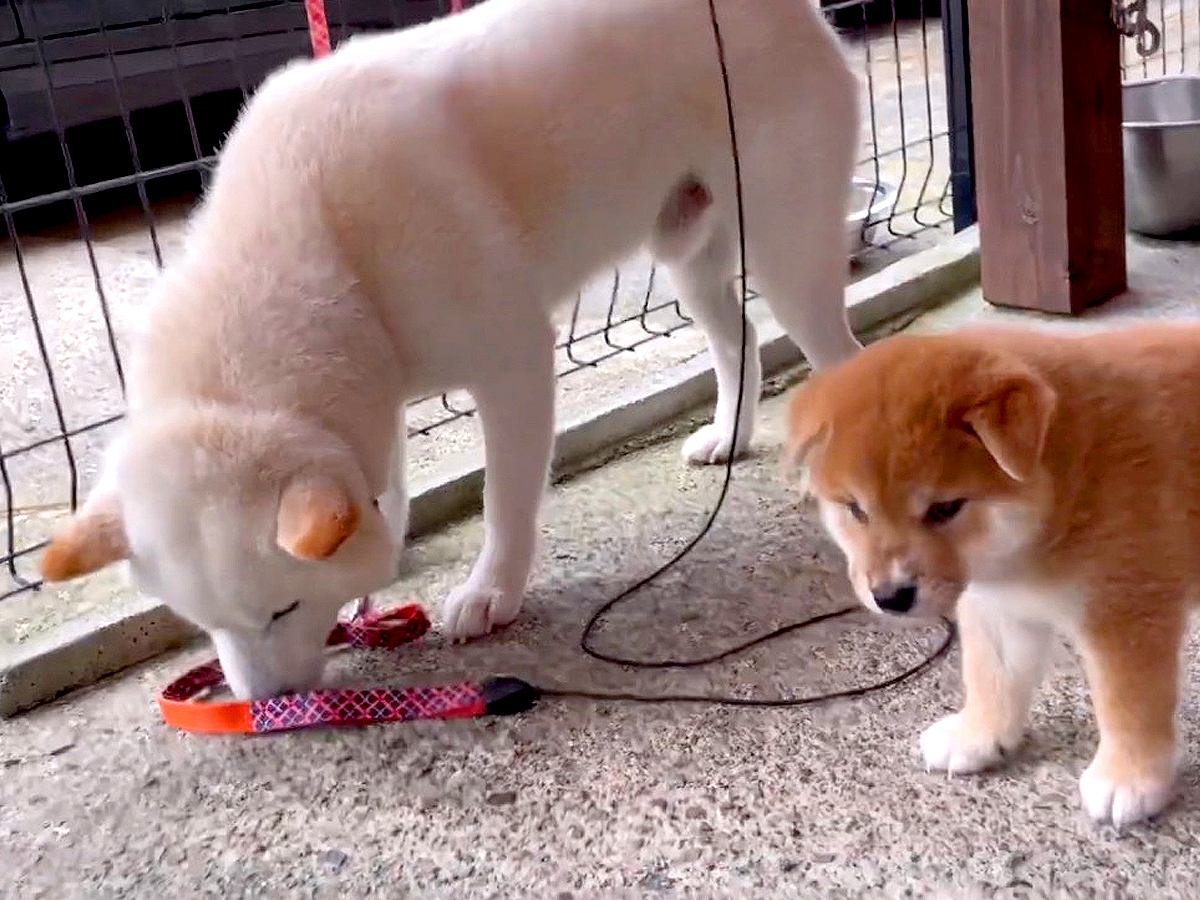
(585, 638)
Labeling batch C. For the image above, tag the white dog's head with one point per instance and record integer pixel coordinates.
(256, 526)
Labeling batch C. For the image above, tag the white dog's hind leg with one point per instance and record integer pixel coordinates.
(515, 396)
(797, 196)
(393, 503)
(705, 282)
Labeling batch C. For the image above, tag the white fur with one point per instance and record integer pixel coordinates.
(1122, 802)
(404, 217)
(1016, 634)
(949, 746)
(1011, 529)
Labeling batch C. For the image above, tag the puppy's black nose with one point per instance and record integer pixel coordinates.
(896, 599)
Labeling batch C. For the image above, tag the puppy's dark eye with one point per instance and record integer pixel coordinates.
(940, 513)
(280, 613)
(857, 511)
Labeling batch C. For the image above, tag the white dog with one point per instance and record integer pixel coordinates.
(403, 217)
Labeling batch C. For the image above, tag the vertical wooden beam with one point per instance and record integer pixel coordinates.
(1046, 91)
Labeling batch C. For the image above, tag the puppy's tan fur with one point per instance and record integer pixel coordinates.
(1079, 460)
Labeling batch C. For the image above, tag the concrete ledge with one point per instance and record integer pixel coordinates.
(84, 650)
(92, 647)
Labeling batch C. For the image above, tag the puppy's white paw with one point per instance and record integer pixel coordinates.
(710, 445)
(948, 745)
(1124, 797)
(472, 611)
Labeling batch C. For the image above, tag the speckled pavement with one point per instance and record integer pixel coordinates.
(583, 799)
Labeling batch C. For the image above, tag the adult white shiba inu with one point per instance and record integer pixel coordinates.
(403, 217)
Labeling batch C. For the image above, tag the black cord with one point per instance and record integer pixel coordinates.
(585, 643)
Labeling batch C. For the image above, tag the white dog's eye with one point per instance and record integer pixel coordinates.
(280, 613)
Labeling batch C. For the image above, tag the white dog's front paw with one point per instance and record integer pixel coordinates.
(710, 445)
(949, 745)
(1124, 797)
(472, 611)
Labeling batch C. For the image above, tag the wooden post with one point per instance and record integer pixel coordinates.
(1046, 91)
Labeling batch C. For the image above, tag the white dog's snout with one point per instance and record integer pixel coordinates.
(258, 666)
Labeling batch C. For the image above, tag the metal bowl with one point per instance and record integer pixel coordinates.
(871, 204)
(1161, 123)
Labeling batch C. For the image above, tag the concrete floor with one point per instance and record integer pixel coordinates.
(585, 799)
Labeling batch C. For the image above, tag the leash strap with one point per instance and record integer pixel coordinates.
(382, 630)
(385, 630)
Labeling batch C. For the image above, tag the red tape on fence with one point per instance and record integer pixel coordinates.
(318, 24)
(318, 27)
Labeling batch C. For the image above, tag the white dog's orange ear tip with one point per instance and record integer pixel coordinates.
(88, 543)
(60, 562)
(315, 518)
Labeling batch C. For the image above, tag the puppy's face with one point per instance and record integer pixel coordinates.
(924, 455)
(243, 525)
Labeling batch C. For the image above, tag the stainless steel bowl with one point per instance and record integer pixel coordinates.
(1161, 118)
(871, 203)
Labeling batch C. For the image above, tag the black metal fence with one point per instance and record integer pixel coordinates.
(113, 112)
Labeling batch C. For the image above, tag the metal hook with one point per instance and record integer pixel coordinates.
(1149, 38)
(1133, 21)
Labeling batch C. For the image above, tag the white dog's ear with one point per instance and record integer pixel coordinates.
(316, 516)
(92, 539)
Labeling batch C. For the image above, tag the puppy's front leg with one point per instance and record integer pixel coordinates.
(1132, 661)
(515, 396)
(1002, 662)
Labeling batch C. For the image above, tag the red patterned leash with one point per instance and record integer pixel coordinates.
(375, 630)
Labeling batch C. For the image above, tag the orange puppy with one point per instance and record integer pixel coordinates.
(1032, 483)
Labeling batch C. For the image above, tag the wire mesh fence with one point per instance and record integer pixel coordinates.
(113, 112)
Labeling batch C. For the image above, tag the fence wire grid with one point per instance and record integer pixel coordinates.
(113, 112)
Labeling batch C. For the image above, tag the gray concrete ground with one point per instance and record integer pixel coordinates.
(586, 799)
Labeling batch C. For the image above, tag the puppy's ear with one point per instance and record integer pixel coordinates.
(92, 539)
(1011, 420)
(807, 427)
(316, 516)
